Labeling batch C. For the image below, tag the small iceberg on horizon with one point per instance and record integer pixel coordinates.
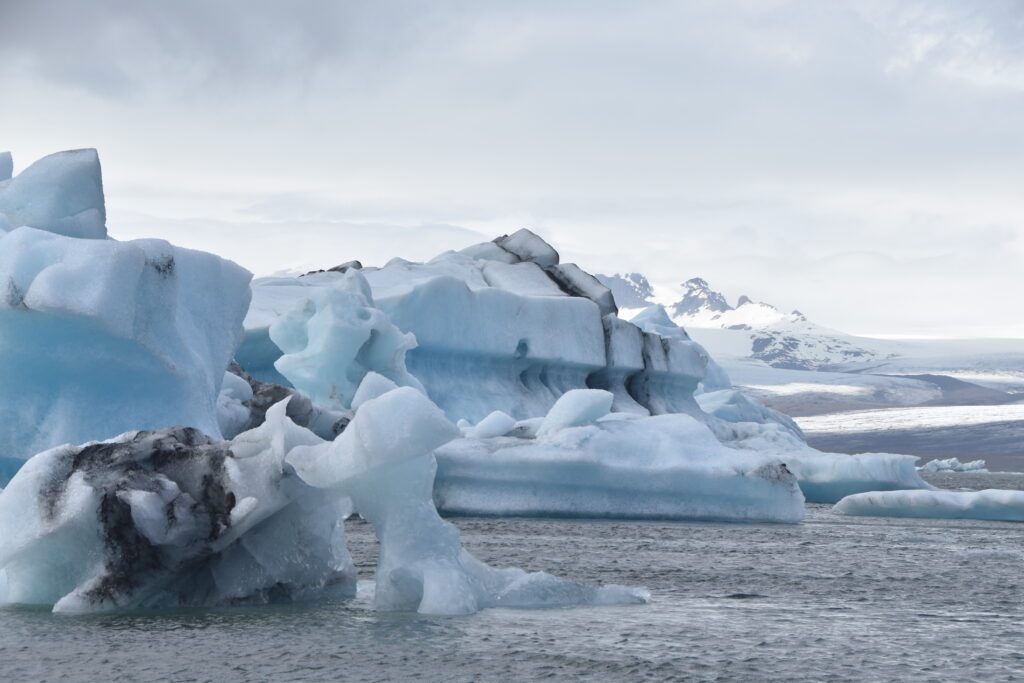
(990, 504)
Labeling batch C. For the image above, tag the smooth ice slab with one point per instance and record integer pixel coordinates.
(662, 467)
(991, 504)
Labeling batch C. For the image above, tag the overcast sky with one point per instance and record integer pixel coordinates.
(861, 161)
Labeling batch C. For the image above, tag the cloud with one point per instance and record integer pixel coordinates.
(763, 146)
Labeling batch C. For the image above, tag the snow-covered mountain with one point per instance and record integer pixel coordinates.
(700, 302)
(753, 329)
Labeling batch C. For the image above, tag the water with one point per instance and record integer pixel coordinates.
(835, 598)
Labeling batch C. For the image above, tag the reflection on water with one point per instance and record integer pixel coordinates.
(835, 598)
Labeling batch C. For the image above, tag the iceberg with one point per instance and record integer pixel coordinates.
(526, 353)
(490, 325)
(243, 403)
(990, 504)
(953, 465)
(584, 462)
(384, 460)
(61, 193)
(99, 337)
(172, 518)
(335, 338)
(487, 329)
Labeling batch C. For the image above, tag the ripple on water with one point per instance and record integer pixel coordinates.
(836, 598)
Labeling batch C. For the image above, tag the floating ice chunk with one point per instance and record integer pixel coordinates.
(334, 337)
(495, 424)
(528, 247)
(655, 320)
(828, 477)
(98, 337)
(576, 408)
(61, 193)
(953, 465)
(732, 406)
(384, 461)
(993, 504)
(172, 518)
(663, 467)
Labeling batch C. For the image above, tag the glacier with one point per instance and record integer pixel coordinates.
(990, 504)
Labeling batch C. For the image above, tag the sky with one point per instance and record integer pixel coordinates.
(861, 161)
